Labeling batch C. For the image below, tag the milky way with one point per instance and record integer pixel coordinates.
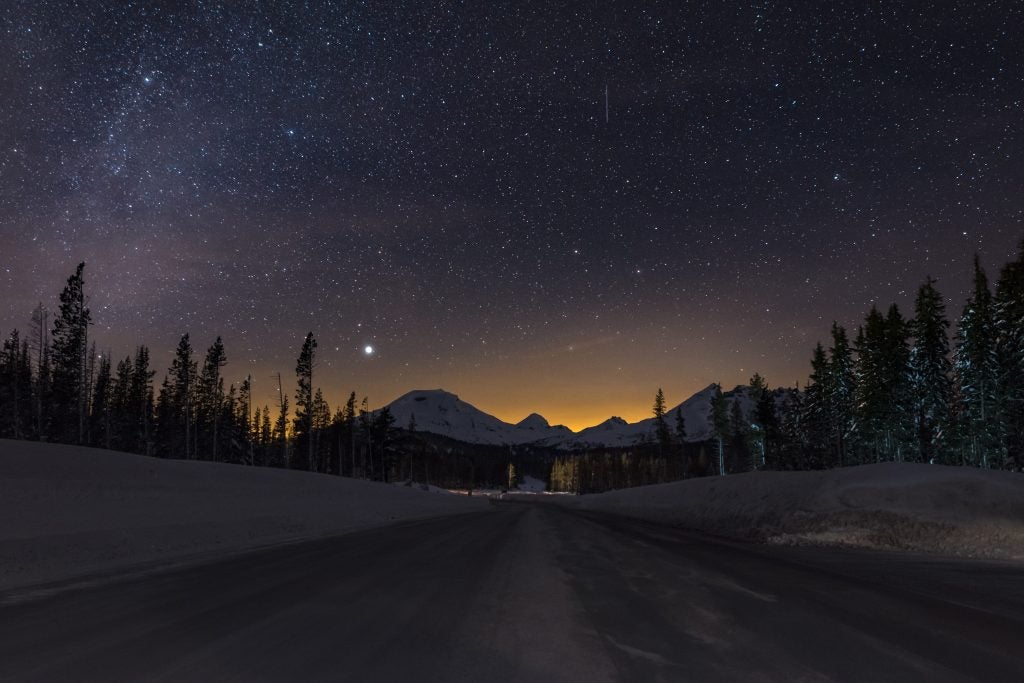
(444, 183)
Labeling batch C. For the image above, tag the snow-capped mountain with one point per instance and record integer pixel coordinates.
(538, 426)
(615, 431)
(440, 412)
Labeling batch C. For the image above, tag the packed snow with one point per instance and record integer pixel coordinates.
(530, 484)
(67, 511)
(929, 508)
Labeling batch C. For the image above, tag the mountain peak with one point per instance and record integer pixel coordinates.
(428, 393)
(533, 421)
(442, 412)
(611, 423)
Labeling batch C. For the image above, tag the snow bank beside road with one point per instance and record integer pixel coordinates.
(930, 508)
(68, 510)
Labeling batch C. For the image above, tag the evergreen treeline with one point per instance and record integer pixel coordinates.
(55, 387)
(900, 391)
(747, 434)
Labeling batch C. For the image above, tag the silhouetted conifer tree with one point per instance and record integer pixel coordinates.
(662, 434)
(841, 387)
(930, 372)
(70, 347)
(304, 442)
(140, 400)
(210, 402)
(15, 388)
(977, 371)
(816, 411)
(1009, 325)
(176, 404)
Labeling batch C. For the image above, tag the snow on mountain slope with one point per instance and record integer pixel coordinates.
(616, 432)
(538, 426)
(440, 412)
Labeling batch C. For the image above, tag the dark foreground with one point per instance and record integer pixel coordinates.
(527, 592)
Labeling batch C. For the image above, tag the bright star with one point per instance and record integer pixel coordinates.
(368, 350)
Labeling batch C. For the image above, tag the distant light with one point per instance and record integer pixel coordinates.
(368, 350)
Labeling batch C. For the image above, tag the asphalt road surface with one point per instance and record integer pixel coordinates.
(527, 592)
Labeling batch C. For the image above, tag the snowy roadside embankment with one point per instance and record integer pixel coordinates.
(68, 511)
(930, 508)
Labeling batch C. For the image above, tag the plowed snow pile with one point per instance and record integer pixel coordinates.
(68, 510)
(930, 508)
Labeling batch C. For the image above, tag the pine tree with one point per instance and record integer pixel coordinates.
(680, 426)
(266, 437)
(70, 347)
(930, 372)
(348, 421)
(247, 427)
(40, 345)
(90, 375)
(165, 428)
(792, 433)
(816, 411)
(177, 409)
(304, 400)
(977, 372)
(382, 428)
(15, 387)
(228, 428)
(1008, 307)
(871, 399)
(281, 432)
(680, 435)
(122, 413)
(367, 434)
(321, 422)
(661, 430)
(739, 452)
(140, 400)
(210, 399)
(765, 421)
(99, 414)
(841, 387)
(899, 411)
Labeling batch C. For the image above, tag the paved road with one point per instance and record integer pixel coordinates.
(527, 592)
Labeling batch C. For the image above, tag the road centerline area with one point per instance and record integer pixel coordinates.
(526, 592)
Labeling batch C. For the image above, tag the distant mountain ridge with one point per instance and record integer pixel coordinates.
(440, 412)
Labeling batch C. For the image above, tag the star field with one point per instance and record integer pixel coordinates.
(443, 182)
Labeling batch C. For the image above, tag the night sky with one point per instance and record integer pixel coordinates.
(448, 183)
